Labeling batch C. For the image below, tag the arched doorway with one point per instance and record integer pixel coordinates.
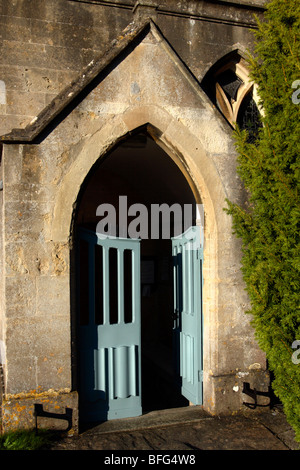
(138, 172)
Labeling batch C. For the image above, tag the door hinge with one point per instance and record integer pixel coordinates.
(200, 375)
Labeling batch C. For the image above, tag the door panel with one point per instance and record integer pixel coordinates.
(109, 327)
(187, 330)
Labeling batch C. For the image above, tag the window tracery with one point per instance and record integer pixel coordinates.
(229, 86)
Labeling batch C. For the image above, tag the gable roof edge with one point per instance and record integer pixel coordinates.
(71, 91)
(132, 32)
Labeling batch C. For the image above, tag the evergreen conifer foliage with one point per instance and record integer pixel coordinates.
(268, 223)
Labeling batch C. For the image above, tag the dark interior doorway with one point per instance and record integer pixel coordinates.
(142, 171)
(160, 385)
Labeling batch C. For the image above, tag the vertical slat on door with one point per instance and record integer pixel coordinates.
(128, 285)
(100, 361)
(136, 275)
(105, 281)
(98, 285)
(91, 262)
(121, 285)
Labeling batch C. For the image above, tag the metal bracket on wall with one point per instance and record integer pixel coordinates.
(39, 411)
(253, 393)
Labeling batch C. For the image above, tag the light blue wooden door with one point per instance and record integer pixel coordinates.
(187, 329)
(109, 327)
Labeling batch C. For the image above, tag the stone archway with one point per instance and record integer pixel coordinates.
(221, 252)
(140, 172)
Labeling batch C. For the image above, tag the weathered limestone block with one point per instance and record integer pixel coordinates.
(18, 410)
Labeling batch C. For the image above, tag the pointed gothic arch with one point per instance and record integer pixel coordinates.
(184, 148)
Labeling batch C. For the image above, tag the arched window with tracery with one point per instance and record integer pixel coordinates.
(230, 89)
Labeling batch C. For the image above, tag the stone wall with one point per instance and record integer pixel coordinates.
(46, 45)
